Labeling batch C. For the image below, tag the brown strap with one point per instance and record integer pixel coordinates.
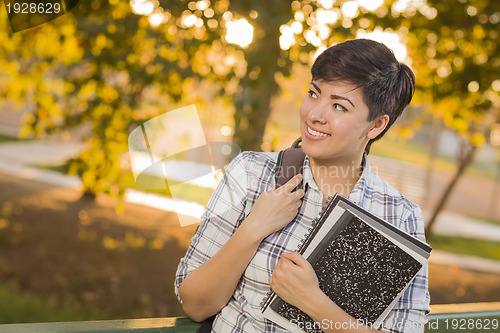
(290, 162)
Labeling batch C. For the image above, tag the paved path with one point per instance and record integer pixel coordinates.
(453, 224)
(20, 158)
(39, 152)
(465, 261)
(472, 196)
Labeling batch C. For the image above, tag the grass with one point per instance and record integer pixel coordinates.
(7, 138)
(17, 307)
(185, 191)
(485, 220)
(473, 247)
(61, 168)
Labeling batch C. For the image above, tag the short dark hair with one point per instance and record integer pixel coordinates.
(387, 84)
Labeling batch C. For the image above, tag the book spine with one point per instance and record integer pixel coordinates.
(267, 300)
(315, 225)
(300, 247)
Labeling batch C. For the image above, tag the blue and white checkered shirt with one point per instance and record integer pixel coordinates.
(252, 173)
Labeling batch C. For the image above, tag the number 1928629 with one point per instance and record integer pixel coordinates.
(34, 8)
(471, 324)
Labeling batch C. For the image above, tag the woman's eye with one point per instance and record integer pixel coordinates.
(312, 94)
(339, 107)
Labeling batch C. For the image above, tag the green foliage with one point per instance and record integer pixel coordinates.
(473, 247)
(94, 69)
(6, 138)
(183, 191)
(457, 56)
(19, 307)
(107, 68)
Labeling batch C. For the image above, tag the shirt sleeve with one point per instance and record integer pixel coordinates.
(409, 313)
(224, 213)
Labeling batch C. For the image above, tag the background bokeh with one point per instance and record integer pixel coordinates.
(80, 240)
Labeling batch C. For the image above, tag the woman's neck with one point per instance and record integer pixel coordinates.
(336, 177)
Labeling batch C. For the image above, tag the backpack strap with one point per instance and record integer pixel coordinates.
(290, 162)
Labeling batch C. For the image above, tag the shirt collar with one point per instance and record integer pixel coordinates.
(307, 173)
(356, 193)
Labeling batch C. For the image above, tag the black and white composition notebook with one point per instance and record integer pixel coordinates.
(363, 263)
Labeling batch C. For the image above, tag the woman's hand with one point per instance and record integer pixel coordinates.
(275, 208)
(294, 280)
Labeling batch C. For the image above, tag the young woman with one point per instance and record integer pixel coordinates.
(247, 240)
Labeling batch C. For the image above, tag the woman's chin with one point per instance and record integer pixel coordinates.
(312, 150)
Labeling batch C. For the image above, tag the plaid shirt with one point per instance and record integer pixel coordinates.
(252, 173)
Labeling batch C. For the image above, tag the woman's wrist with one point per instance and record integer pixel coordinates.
(251, 231)
(315, 300)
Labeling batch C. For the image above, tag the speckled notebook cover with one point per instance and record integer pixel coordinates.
(362, 263)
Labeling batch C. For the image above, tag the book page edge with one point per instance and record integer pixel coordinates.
(271, 315)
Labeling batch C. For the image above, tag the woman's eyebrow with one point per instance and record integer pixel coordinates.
(342, 97)
(333, 96)
(316, 87)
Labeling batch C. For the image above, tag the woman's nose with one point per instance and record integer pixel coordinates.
(316, 115)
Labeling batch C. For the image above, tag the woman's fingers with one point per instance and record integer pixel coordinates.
(292, 183)
(276, 208)
(296, 258)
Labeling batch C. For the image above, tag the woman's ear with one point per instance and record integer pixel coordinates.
(378, 126)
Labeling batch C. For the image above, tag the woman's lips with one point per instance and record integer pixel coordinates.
(315, 135)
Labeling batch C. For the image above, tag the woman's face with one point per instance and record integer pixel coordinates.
(334, 123)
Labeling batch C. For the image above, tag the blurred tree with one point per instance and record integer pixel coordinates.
(102, 64)
(456, 53)
(94, 68)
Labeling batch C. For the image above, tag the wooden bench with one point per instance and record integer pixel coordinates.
(443, 319)
(467, 317)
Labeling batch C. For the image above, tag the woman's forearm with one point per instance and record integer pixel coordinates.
(207, 289)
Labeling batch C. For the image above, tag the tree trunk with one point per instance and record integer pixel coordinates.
(253, 102)
(88, 195)
(433, 142)
(258, 86)
(464, 163)
(250, 123)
